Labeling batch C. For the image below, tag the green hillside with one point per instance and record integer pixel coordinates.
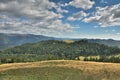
(82, 47)
(54, 50)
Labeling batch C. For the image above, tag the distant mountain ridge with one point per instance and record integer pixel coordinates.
(109, 42)
(11, 40)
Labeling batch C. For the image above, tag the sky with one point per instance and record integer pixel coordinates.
(97, 19)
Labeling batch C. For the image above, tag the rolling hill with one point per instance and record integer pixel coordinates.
(82, 47)
(54, 50)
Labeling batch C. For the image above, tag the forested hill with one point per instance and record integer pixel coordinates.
(62, 49)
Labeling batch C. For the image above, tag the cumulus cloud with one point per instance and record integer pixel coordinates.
(77, 16)
(32, 16)
(106, 16)
(84, 4)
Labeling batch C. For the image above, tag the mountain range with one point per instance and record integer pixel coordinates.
(11, 40)
(109, 42)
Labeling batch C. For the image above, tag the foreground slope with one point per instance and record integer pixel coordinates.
(60, 70)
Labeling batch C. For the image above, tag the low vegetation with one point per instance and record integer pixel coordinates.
(112, 58)
(60, 70)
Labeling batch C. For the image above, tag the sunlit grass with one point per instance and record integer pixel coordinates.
(60, 70)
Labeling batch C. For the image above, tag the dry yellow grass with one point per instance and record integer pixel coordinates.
(68, 41)
(90, 67)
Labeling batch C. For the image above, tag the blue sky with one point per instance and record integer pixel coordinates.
(62, 18)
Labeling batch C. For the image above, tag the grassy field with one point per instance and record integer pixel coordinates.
(60, 70)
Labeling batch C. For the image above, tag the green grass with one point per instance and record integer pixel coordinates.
(45, 73)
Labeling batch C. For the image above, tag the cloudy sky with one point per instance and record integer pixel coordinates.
(61, 18)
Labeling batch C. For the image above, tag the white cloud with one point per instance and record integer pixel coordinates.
(77, 16)
(95, 36)
(32, 16)
(118, 33)
(29, 8)
(85, 4)
(59, 10)
(106, 16)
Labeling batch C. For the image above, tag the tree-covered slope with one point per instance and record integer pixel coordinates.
(63, 49)
(54, 50)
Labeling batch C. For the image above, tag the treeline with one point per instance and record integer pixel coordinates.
(17, 58)
(112, 59)
(53, 50)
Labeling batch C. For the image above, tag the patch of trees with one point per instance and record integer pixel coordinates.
(112, 59)
(16, 58)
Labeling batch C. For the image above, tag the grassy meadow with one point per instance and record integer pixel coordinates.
(60, 70)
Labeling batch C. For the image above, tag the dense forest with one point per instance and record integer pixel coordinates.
(53, 50)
